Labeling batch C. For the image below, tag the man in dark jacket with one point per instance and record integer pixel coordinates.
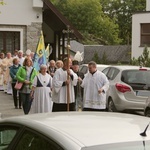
(78, 89)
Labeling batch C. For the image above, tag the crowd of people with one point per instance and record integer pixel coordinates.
(48, 89)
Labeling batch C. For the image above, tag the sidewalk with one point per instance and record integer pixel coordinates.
(7, 108)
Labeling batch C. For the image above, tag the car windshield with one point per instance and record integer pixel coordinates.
(142, 145)
(136, 76)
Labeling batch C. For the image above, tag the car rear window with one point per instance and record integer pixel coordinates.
(136, 76)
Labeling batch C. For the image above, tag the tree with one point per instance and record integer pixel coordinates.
(104, 58)
(143, 60)
(87, 16)
(96, 58)
(121, 11)
(2, 3)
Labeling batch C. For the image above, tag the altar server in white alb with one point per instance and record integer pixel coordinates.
(60, 82)
(41, 89)
(95, 84)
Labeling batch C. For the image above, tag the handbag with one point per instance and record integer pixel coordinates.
(18, 85)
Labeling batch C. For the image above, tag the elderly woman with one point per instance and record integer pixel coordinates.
(59, 64)
(41, 88)
(26, 74)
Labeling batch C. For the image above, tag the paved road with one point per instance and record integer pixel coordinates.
(7, 108)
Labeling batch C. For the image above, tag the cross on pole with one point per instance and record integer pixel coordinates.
(68, 32)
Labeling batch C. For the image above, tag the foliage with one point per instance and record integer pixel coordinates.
(104, 58)
(121, 11)
(143, 60)
(2, 3)
(102, 21)
(134, 61)
(96, 58)
(87, 16)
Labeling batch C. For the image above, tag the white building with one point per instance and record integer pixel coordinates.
(141, 31)
(21, 22)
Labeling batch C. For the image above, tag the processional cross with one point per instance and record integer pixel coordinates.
(68, 32)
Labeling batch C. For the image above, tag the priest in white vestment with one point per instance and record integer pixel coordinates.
(6, 63)
(60, 82)
(2, 55)
(41, 88)
(95, 84)
(20, 57)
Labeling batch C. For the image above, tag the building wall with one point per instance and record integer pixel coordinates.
(33, 34)
(20, 12)
(137, 19)
(147, 5)
(24, 16)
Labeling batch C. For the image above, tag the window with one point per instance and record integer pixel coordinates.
(35, 141)
(9, 41)
(84, 69)
(105, 71)
(113, 72)
(6, 136)
(145, 34)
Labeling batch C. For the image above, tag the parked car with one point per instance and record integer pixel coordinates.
(75, 131)
(147, 108)
(84, 67)
(129, 87)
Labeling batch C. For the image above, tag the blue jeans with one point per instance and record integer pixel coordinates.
(26, 102)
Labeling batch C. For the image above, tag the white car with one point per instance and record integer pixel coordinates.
(129, 87)
(75, 131)
(84, 67)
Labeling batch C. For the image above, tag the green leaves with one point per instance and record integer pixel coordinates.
(87, 16)
(122, 11)
(101, 21)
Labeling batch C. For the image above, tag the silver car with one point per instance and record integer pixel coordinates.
(129, 87)
(75, 131)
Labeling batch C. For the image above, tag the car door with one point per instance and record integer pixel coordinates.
(19, 137)
(33, 140)
(8, 133)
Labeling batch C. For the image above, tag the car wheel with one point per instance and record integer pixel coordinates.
(147, 113)
(111, 106)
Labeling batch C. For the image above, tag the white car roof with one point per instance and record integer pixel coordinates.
(83, 129)
(124, 67)
(99, 66)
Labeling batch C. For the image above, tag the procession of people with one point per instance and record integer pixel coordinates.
(57, 86)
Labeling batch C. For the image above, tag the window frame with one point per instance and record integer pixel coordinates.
(13, 126)
(14, 35)
(37, 133)
(144, 34)
(21, 130)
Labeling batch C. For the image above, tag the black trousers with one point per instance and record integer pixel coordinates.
(26, 102)
(15, 96)
(63, 107)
